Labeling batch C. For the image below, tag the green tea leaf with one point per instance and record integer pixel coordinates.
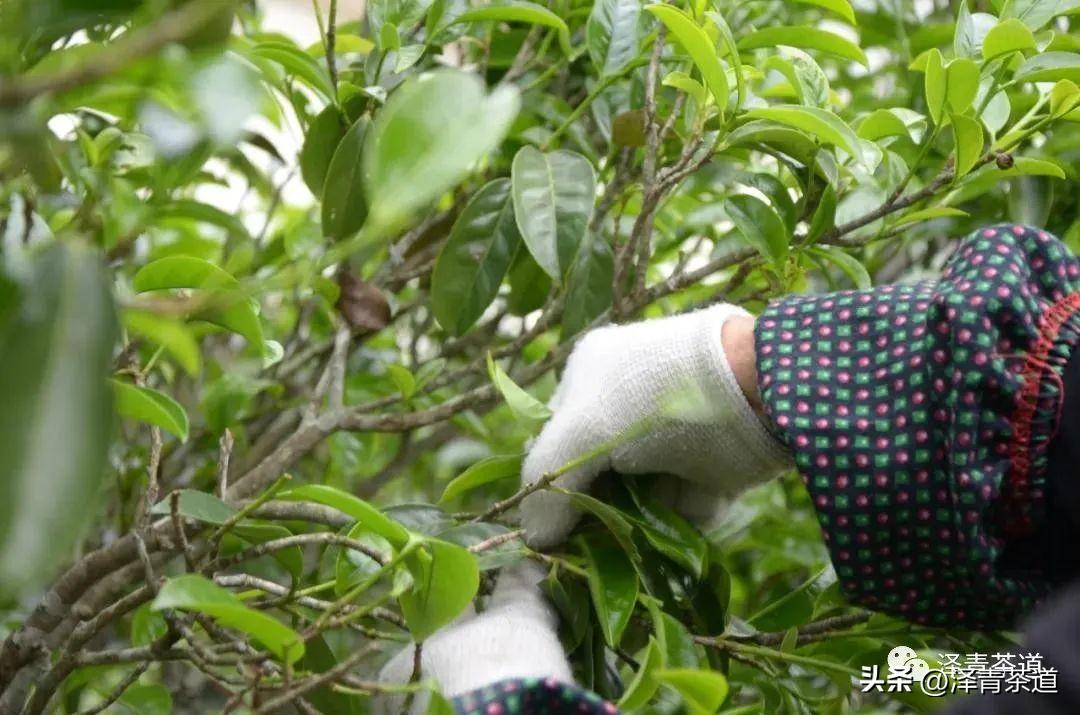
(444, 584)
(514, 11)
(194, 504)
(613, 34)
(56, 343)
(1006, 37)
(483, 472)
(172, 335)
(322, 139)
(703, 691)
(344, 204)
(760, 225)
(150, 406)
(299, 64)
(475, 258)
(553, 197)
(807, 38)
(588, 291)
(818, 123)
(968, 135)
(357, 508)
(936, 85)
(700, 48)
(432, 131)
(195, 593)
(1050, 67)
(613, 584)
(227, 304)
(524, 406)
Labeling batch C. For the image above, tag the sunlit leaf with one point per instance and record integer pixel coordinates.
(483, 472)
(150, 406)
(522, 404)
(807, 38)
(194, 593)
(700, 48)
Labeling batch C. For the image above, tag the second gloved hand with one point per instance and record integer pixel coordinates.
(657, 396)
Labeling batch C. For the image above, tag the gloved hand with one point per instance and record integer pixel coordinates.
(662, 395)
(515, 637)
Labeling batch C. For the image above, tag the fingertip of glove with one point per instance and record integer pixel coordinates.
(547, 518)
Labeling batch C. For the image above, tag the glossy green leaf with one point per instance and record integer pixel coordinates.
(184, 210)
(700, 48)
(807, 38)
(1050, 67)
(613, 34)
(403, 380)
(429, 135)
(195, 593)
(729, 49)
(475, 258)
(480, 473)
(824, 126)
(319, 658)
(297, 63)
(529, 284)
(1006, 37)
(322, 139)
(357, 508)
(524, 406)
(703, 691)
(841, 8)
(194, 504)
(150, 406)
(929, 214)
(56, 343)
(686, 83)
(344, 203)
(760, 225)
(672, 535)
(644, 685)
(1035, 13)
(172, 335)
(962, 76)
(616, 522)
(445, 582)
(882, 123)
(553, 196)
(805, 76)
(226, 303)
(968, 136)
(588, 291)
(936, 85)
(824, 217)
(1064, 97)
(514, 11)
(848, 264)
(613, 584)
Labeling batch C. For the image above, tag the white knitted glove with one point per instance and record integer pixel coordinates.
(663, 393)
(515, 637)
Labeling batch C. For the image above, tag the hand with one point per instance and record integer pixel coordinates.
(659, 396)
(515, 637)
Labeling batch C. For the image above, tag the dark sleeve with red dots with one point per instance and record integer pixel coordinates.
(921, 418)
(532, 696)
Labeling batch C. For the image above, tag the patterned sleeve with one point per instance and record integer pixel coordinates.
(532, 696)
(920, 415)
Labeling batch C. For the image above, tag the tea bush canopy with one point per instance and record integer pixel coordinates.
(279, 320)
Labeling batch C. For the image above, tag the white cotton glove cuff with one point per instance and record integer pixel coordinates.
(664, 394)
(515, 637)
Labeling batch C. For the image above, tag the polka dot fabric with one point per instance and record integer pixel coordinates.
(532, 696)
(919, 417)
